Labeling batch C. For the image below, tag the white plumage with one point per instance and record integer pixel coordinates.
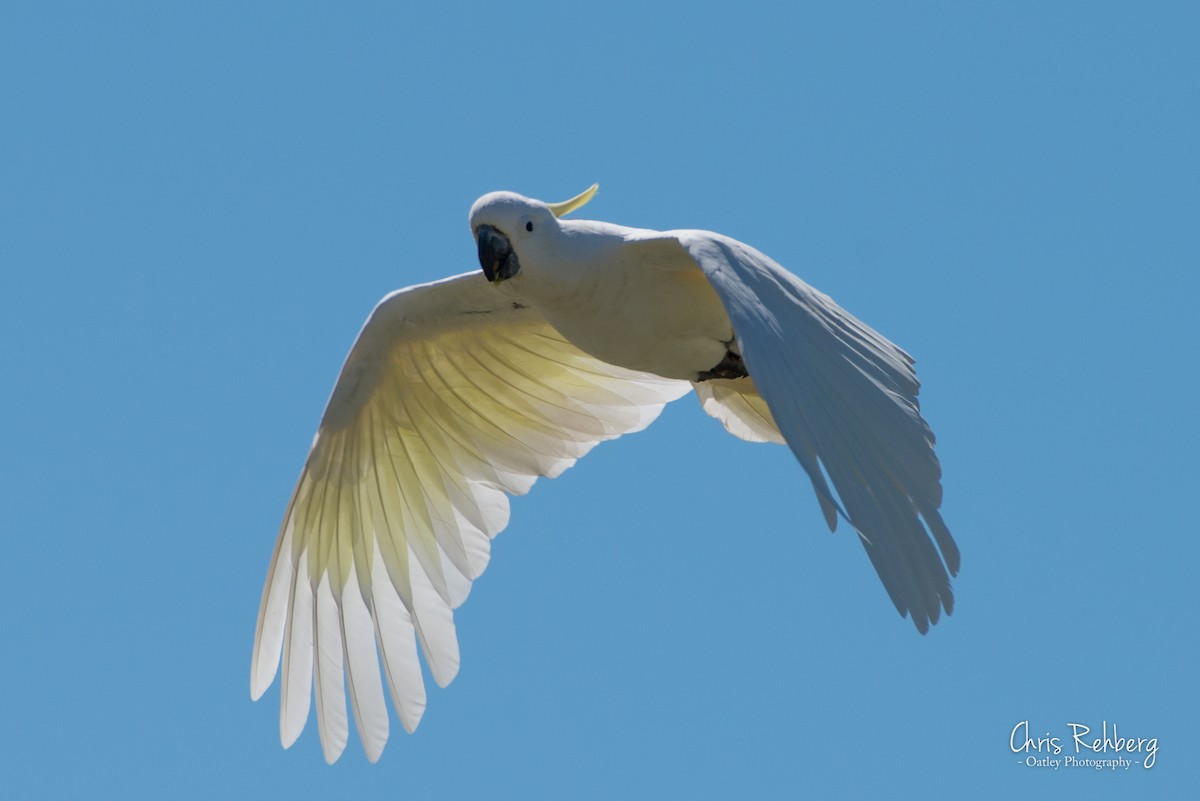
(461, 392)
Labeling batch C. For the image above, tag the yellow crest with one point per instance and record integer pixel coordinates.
(568, 206)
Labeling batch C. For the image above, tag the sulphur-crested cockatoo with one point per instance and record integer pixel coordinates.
(463, 391)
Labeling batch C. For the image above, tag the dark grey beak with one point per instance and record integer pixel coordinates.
(496, 256)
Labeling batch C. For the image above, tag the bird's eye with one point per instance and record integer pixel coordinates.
(529, 225)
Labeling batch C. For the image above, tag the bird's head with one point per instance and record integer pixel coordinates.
(504, 223)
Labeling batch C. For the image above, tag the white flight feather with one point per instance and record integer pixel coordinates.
(845, 399)
(451, 397)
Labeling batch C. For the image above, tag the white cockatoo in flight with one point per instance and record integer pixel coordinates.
(463, 391)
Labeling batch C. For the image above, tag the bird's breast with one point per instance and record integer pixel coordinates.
(649, 309)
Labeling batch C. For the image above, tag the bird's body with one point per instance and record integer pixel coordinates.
(627, 296)
(460, 392)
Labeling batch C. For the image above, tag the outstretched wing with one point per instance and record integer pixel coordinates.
(845, 400)
(451, 397)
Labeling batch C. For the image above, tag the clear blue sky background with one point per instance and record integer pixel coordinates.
(199, 204)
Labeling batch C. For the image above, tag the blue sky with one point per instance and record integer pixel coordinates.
(200, 204)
